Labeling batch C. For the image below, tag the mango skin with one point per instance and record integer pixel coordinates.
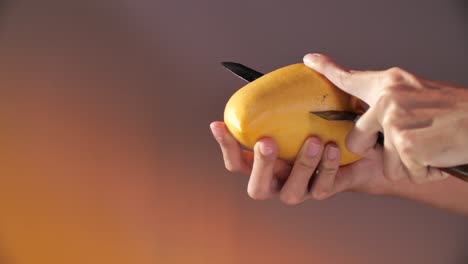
(277, 105)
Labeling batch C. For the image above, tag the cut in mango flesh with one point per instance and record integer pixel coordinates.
(278, 105)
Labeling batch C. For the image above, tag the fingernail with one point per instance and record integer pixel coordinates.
(333, 153)
(311, 58)
(265, 150)
(313, 148)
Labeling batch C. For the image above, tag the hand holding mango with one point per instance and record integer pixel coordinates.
(278, 106)
(277, 98)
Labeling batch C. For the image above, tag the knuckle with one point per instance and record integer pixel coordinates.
(355, 148)
(264, 158)
(390, 120)
(391, 173)
(424, 159)
(405, 142)
(290, 198)
(397, 75)
(344, 78)
(436, 175)
(394, 75)
(385, 97)
(321, 194)
(232, 168)
(306, 164)
(328, 169)
(408, 146)
(418, 175)
(391, 95)
(226, 141)
(259, 193)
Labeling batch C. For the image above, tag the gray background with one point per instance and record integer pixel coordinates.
(150, 70)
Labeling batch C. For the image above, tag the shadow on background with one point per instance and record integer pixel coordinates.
(463, 4)
(3, 6)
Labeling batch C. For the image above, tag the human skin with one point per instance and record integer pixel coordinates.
(425, 122)
(316, 173)
(274, 178)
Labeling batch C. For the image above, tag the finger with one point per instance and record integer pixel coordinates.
(408, 97)
(417, 173)
(363, 85)
(295, 188)
(393, 169)
(262, 184)
(363, 136)
(435, 84)
(437, 175)
(323, 186)
(415, 120)
(420, 173)
(232, 152)
(282, 169)
(365, 175)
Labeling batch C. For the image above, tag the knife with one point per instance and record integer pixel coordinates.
(460, 172)
(250, 75)
(245, 73)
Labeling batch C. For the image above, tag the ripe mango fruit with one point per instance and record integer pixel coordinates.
(277, 105)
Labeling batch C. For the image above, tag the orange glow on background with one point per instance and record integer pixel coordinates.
(106, 154)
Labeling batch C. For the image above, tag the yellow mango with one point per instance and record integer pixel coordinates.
(277, 105)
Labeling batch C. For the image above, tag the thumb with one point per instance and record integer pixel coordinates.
(363, 136)
(359, 84)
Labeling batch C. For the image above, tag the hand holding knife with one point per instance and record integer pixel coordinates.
(250, 75)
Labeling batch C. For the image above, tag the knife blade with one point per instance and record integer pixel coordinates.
(460, 172)
(334, 115)
(249, 75)
(245, 73)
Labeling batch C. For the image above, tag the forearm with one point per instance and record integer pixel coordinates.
(450, 194)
